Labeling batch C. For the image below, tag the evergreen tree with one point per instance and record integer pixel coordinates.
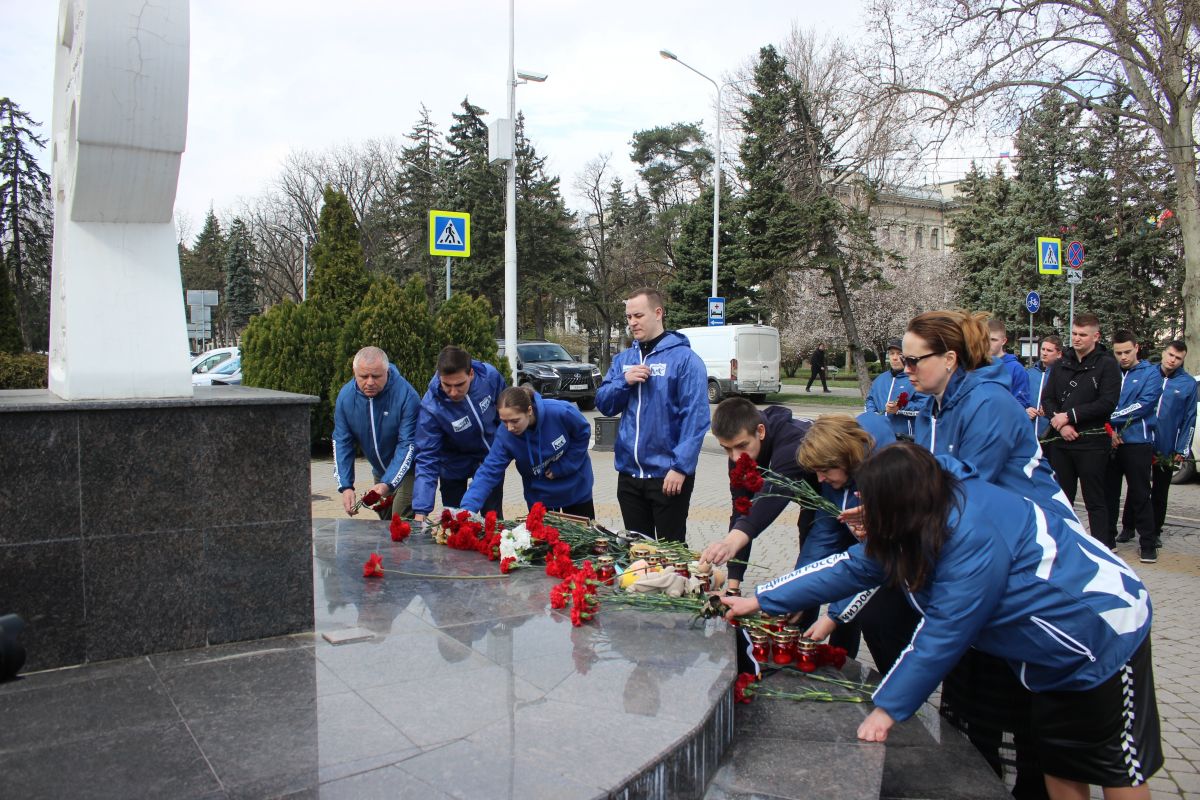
(397, 320)
(467, 322)
(691, 281)
(10, 331)
(203, 266)
(339, 278)
(240, 289)
(26, 224)
(477, 188)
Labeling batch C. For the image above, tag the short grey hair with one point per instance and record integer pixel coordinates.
(370, 355)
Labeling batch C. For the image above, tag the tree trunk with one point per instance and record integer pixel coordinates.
(853, 343)
(1188, 214)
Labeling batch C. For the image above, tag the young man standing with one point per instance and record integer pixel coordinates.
(817, 363)
(455, 430)
(1080, 394)
(1049, 352)
(889, 389)
(1133, 425)
(1018, 380)
(659, 387)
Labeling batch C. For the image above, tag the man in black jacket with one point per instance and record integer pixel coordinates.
(771, 437)
(817, 362)
(1080, 394)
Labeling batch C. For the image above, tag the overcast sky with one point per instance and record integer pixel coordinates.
(269, 76)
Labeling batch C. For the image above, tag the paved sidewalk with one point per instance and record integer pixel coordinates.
(1174, 583)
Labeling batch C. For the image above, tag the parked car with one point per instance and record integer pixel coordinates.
(740, 359)
(229, 373)
(1187, 471)
(550, 370)
(211, 359)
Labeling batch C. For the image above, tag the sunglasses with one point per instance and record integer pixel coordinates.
(911, 362)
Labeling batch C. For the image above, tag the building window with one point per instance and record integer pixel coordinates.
(933, 239)
(920, 238)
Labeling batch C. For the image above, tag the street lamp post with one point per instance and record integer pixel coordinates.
(716, 226)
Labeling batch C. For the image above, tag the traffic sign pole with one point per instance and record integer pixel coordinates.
(1033, 302)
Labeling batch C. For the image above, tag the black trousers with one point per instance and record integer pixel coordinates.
(1131, 462)
(454, 489)
(812, 376)
(1160, 489)
(1086, 467)
(585, 509)
(645, 509)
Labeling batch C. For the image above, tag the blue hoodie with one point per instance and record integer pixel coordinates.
(1037, 376)
(887, 387)
(453, 437)
(558, 442)
(1010, 580)
(1176, 415)
(1134, 419)
(977, 421)
(1018, 380)
(665, 417)
(382, 425)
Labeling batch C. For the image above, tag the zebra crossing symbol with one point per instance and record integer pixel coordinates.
(449, 236)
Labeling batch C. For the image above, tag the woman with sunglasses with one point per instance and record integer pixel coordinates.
(992, 570)
(548, 440)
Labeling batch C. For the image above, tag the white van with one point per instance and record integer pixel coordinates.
(740, 359)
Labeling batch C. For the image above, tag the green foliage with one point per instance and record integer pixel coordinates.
(397, 320)
(673, 161)
(203, 267)
(292, 348)
(240, 290)
(467, 322)
(477, 187)
(26, 227)
(691, 282)
(339, 278)
(23, 370)
(10, 330)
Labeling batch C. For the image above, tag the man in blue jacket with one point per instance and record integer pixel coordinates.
(1176, 412)
(455, 429)
(1050, 351)
(659, 387)
(1019, 381)
(1133, 425)
(377, 409)
(892, 395)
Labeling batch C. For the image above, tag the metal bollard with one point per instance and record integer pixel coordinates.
(606, 433)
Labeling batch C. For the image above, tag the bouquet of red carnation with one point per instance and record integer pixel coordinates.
(372, 500)
(745, 475)
(579, 590)
(400, 529)
(901, 400)
(742, 505)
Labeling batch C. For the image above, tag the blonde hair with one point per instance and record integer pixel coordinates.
(835, 441)
(963, 333)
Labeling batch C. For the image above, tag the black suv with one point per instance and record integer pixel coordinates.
(551, 371)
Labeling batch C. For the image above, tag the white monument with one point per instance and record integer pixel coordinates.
(117, 327)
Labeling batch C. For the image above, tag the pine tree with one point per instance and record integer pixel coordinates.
(691, 282)
(10, 331)
(240, 290)
(26, 224)
(477, 188)
(203, 266)
(339, 278)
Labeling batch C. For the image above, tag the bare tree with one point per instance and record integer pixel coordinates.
(971, 58)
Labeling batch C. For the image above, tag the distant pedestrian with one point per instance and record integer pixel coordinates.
(1049, 352)
(1133, 424)
(1081, 392)
(659, 387)
(376, 410)
(455, 430)
(817, 363)
(892, 394)
(1018, 380)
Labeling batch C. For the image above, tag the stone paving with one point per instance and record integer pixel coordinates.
(1174, 582)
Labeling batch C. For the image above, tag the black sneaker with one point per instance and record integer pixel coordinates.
(1149, 555)
(1125, 536)
(1157, 542)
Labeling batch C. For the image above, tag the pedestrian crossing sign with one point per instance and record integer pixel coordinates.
(449, 233)
(1049, 256)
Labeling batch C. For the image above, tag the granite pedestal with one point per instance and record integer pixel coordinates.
(174, 523)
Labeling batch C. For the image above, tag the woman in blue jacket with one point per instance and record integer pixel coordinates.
(548, 440)
(990, 569)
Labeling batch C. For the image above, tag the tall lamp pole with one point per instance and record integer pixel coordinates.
(716, 226)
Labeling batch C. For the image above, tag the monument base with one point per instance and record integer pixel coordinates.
(139, 526)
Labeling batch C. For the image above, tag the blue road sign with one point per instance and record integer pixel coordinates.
(1075, 254)
(1049, 255)
(449, 234)
(716, 311)
(1032, 302)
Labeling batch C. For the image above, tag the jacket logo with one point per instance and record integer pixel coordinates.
(485, 403)
(461, 425)
(558, 443)
(658, 370)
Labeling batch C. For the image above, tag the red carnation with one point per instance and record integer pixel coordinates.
(506, 564)
(902, 400)
(831, 656)
(370, 498)
(1108, 428)
(400, 529)
(741, 505)
(739, 689)
(374, 566)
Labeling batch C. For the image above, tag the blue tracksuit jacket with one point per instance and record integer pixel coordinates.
(1134, 419)
(664, 418)
(1176, 414)
(977, 421)
(1037, 376)
(557, 442)
(1018, 380)
(382, 425)
(887, 387)
(1012, 581)
(453, 438)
